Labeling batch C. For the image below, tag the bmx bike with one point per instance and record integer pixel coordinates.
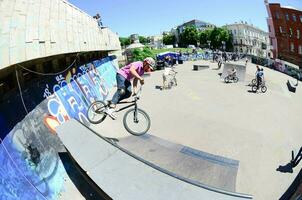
(262, 87)
(230, 78)
(136, 121)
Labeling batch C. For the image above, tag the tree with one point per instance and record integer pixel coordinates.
(217, 36)
(189, 36)
(204, 37)
(169, 39)
(125, 41)
(144, 40)
(139, 55)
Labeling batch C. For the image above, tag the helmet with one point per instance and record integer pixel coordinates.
(150, 61)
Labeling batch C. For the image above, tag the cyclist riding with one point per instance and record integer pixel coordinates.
(133, 71)
(259, 77)
(233, 72)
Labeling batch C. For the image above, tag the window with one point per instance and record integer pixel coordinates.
(280, 29)
(290, 32)
(271, 41)
(292, 47)
(294, 18)
(301, 19)
(269, 28)
(300, 49)
(277, 15)
(286, 17)
(298, 34)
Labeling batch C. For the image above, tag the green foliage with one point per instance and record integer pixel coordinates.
(144, 40)
(169, 39)
(216, 36)
(189, 36)
(125, 41)
(139, 55)
(204, 36)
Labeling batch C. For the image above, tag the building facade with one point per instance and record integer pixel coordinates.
(156, 41)
(200, 26)
(285, 32)
(249, 39)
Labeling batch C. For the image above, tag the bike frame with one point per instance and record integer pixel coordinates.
(132, 103)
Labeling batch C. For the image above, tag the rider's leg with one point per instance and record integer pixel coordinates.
(126, 91)
(121, 89)
(258, 81)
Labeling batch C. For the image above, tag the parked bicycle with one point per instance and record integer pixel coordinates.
(136, 121)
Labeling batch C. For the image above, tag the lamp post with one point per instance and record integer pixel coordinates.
(223, 45)
(209, 43)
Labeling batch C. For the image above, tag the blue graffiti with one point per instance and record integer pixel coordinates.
(84, 88)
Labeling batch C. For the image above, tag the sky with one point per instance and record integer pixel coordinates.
(152, 17)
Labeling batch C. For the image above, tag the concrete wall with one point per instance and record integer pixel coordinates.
(31, 29)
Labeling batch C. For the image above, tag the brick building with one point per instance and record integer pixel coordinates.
(285, 32)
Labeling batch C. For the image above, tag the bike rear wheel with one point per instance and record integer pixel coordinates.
(96, 112)
(226, 79)
(254, 88)
(136, 121)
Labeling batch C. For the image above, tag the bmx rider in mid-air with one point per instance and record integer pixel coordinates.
(133, 71)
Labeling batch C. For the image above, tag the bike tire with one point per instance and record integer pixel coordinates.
(95, 112)
(236, 79)
(226, 79)
(254, 88)
(263, 89)
(254, 81)
(129, 115)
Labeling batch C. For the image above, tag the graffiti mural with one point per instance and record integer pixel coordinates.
(30, 168)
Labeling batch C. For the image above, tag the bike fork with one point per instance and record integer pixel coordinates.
(135, 115)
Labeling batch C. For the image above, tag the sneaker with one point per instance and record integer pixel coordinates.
(111, 112)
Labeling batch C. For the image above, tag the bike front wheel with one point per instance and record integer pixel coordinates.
(136, 121)
(96, 112)
(236, 79)
(263, 89)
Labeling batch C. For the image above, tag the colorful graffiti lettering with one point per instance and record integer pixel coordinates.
(74, 93)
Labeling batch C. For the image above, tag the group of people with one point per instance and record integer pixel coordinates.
(128, 77)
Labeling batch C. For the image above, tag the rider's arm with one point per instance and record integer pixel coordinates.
(135, 80)
(135, 74)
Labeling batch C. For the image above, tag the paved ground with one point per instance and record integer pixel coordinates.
(202, 112)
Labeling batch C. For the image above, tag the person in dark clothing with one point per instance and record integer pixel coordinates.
(259, 77)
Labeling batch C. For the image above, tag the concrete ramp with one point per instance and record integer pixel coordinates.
(241, 71)
(192, 164)
(122, 175)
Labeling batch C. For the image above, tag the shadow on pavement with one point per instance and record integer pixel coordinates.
(158, 87)
(288, 168)
(83, 183)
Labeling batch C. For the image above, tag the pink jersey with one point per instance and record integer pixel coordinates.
(125, 71)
